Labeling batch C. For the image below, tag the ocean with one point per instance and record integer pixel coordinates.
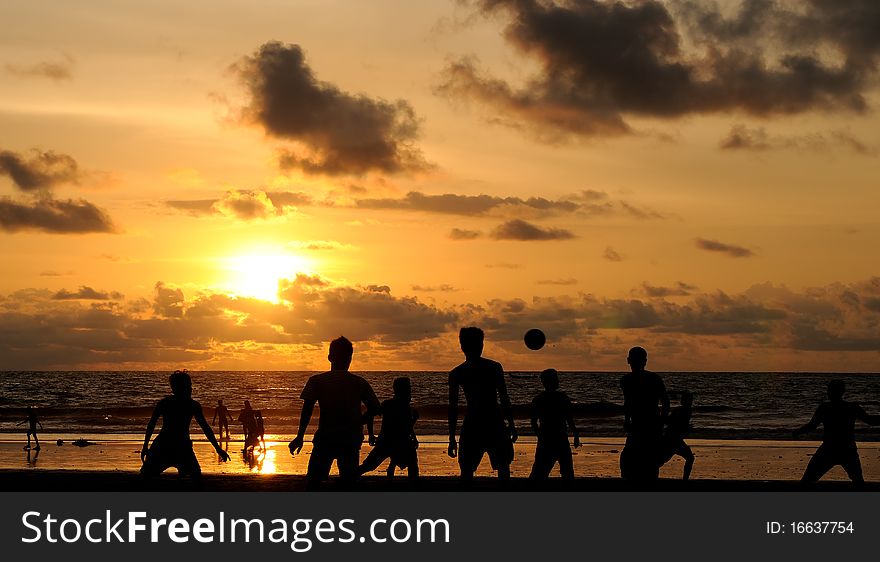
(726, 405)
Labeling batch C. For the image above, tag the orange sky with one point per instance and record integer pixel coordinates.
(218, 185)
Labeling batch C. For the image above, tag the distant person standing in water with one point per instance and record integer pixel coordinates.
(32, 422)
(339, 395)
(838, 418)
(173, 447)
(551, 411)
(247, 421)
(221, 412)
(645, 408)
(483, 430)
(678, 425)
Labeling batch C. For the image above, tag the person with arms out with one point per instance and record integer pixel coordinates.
(838, 418)
(173, 447)
(483, 429)
(32, 422)
(551, 411)
(397, 438)
(339, 395)
(678, 425)
(221, 412)
(645, 408)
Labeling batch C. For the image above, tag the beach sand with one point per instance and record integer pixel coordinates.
(718, 461)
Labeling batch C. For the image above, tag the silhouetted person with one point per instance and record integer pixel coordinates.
(247, 421)
(173, 447)
(397, 438)
(551, 411)
(32, 423)
(645, 407)
(838, 418)
(221, 412)
(678, 426)
(483, 430)
(340, 433)
(260, 428)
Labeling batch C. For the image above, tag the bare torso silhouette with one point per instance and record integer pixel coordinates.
(177, 413)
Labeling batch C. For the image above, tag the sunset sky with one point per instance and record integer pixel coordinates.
(230, 185)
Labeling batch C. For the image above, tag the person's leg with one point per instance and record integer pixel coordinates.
(852, 464)
(375, 457)
(685, 452)
(566, 463)
(470, 454)
(189, 465)
(412, 466)
(319, 466)
(28, 446)
(36, 441)
(821, 463)
(501, 454)
(347, 461)
(543, 464)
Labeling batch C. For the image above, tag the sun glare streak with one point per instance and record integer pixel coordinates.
(257, 274)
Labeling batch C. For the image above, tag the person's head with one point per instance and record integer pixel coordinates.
(220, 402)
(836, 388)
(402, 388)
(247, 404)
(471, 340)
(637, 359)
(181, 383)
(550, 379)
(258, 414)
(340, 354)
(687, 398)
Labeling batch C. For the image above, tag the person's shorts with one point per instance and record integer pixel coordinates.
(164, 455)
(477, 441)
(671, 447)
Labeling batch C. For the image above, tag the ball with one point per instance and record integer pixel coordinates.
(535, 339)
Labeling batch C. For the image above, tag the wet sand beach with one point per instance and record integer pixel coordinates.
(113, 461)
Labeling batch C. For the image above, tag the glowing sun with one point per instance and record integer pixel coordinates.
(257, 275)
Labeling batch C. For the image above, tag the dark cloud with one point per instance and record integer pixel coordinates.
(86, 293)
(757, 139)
(344, 133)
(57, 71)
(525, 231)
(503, 266)
(39, 331)
(444, 288)
(568, 281)
(317, 245)
(244, 204)
(679, 290)
(721, 247)
(194, 207)
(602, 63)
(611, 254)
(462, 234)
(168, 302)
(54, 216)
(741, 137)
(257, 204)
(466, 205)
(39, 170)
